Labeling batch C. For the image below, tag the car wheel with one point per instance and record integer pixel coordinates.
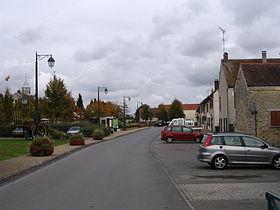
(276, 162)
(169, 140)
(197, 139)
(219, 162)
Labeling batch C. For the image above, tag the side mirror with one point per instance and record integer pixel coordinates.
(264, 146)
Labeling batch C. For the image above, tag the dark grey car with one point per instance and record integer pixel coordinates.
(221, 149)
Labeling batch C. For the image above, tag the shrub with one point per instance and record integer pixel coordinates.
(6, 130)
(87, 129)
(56, 134)
(107, 131)
(77, 139)
(98, 134)
(41, 146)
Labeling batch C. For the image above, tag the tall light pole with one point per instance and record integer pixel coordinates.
(98, 102)
(51, 62)
(124, 105)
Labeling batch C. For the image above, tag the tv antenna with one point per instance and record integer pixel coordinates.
(224, 40)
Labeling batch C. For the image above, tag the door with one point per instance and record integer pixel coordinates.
(256, 152)
(188, 134)
(234, 149)
(177, 133)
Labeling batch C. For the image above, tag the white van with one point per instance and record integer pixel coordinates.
(182, 121)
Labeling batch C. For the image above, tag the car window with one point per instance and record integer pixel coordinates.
(217, 140)
(232, 140)
(187, 130)
(204, 138)
(251, 142)
(177, 129)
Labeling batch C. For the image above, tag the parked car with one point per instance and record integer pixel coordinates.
(221, 149)
(158, 124)
(73, 130)
(180, 133)
(18, 132)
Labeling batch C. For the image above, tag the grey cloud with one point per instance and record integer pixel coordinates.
(95, 53)
(246, 12)
(200, 44)
(29, 36)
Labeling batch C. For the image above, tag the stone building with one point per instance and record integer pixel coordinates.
(257, 100)
(229, 69)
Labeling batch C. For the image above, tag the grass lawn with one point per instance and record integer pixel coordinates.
(14, 147)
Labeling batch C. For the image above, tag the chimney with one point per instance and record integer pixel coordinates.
(216, 84)
(225, 56)
(264, 60)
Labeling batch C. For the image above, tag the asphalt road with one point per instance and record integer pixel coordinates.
(118, 174)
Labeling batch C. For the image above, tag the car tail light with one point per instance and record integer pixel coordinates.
(208, 141)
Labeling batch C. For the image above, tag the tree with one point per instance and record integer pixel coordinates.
(176, 110)
(145, 112)
(162, 113)
(137, 115)
(59, 104)
(80, 102)
(7, 107)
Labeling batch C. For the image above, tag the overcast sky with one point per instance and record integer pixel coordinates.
(151, 50)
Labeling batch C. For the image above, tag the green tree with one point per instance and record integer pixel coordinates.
(137, 115)
(58, 102)
(162, 113)
(145, 112)
(80, 102)
(176, 110)
(8, 107)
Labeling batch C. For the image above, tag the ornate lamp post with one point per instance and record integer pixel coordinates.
(51, 62)
(98, 102)
(124, 105)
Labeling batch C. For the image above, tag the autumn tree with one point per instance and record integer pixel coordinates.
(145, 112)
(7, 108)
(176, 110)
(58, 102)
(162, 113)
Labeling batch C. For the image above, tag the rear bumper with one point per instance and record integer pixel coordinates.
(204, 157)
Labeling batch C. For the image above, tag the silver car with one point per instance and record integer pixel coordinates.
(221, 149)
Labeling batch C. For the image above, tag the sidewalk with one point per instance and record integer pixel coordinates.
(13, 168)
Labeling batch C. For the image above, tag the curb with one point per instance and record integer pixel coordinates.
(34, 168)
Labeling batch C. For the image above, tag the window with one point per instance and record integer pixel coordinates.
(177, 129)
(187, 130)
(217, 140)
(232, 141)
(275, 118)
(251, 142)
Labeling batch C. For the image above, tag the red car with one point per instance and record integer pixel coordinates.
(180, 133)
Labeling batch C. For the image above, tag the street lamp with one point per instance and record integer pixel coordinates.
(124, 105)
(98, 102)
(51, 62)
(255, 112)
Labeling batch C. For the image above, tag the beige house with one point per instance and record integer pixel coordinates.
(257, 100)
(227, 79)
(190, 111)
(208, 111)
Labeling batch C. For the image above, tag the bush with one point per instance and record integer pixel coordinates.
(87, 129)
(56, 134)
(98, 134)
(41, 146)
(107, 131)
(77, 139)
(6, 130)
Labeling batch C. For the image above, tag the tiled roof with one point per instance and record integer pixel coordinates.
(231, 67)
(190, 106)
(265, 74)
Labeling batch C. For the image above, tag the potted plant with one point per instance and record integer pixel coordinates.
(41, 146)
(77, 139)
(98, 134)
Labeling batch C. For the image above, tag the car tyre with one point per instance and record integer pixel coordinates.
(276, 162)
(219, 162)
(169, 140)
(197, 139)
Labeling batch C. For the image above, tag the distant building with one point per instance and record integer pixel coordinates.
(25, 89)
(190, 111)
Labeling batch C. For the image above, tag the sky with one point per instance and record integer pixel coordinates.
(152, 51)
